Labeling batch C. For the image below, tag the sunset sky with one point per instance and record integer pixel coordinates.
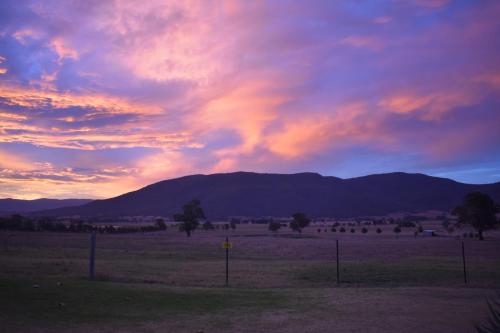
(98, 98)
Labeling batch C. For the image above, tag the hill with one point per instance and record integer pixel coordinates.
(12, 206)
(254, 194)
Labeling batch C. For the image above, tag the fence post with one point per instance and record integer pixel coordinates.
(463, 262)
(227, 261)
(92, 256)
(338, 264)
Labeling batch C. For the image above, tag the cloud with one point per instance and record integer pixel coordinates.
(170, 88)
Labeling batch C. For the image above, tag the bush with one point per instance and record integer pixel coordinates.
(364, 230)
(342, 229)
(397, 229)
(406, 224)
(319, 230)
(160, 224)
(334, 229)
(353, 230)
(232, 224)
(493, 323)
(379, 231)
(274, 226)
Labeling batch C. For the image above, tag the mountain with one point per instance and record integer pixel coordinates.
(12, 206)
(254, 194)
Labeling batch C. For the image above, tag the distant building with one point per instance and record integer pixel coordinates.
(429, 232)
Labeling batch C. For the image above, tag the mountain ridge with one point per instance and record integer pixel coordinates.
(268, 194)
(13, 206)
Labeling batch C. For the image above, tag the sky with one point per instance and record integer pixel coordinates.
(98, 98)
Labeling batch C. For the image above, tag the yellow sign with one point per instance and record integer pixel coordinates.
(227, 245)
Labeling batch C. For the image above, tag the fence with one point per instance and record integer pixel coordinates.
(256, 259)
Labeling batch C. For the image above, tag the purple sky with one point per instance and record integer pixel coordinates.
(98, 98)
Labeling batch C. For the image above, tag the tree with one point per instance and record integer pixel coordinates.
(478, 210)
(191, 213)
(274, 226)
(232, 224)
(299, 222)
(160, 224)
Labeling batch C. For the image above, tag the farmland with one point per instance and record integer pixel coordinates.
(283, 282)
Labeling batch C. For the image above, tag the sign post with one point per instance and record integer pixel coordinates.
(227, 245)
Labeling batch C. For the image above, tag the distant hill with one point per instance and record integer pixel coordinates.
(254, 194)
(12, 206)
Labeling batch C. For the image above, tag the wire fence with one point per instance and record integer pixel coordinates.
(255, 258)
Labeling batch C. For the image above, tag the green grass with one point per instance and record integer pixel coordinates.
(423, 271)
(78, 302)
(157, 284)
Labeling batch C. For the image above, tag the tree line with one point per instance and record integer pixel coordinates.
(477, 210)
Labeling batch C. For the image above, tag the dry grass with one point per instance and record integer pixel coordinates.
(167, 282)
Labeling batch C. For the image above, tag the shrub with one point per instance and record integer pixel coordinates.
(353, 230)
(160, 224)
(334, 229)
(379, 231)
(364, 230)
(397, 229)
(319, 230)
(406, 224)
(274, 226)
(493, 324)
(342, 229)
(232, 224)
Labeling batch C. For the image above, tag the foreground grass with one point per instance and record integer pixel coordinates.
(76, 305)
(150, 283)
(54, 304)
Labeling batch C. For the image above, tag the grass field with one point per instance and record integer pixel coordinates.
(166, 282)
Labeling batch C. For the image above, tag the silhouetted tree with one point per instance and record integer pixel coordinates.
(274, 226)
(478, 210)
(160, 224)
(232, 224)
(191, 213)
(299, 222)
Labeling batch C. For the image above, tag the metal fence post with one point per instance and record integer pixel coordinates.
(227, 261)
(92, 256)
(463, 262)
(338, 264)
